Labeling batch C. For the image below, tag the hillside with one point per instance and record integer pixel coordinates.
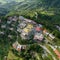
(29, 30)
(50, 5)
(27, 5)
(3, 11)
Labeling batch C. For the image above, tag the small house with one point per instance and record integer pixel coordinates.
(38, 29)
(1, 32)
(14, 19)
(11, 29)
(3, 26)
(19, 30)
(51, 36)
(45, 32)
(21, 18)
(38, 37)
(18, 47)
(9, 18)
(28, 20)
(22, 25)
(9, 36)
(9, 22)
(40, 25)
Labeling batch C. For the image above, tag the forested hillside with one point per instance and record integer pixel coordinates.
(40, 5)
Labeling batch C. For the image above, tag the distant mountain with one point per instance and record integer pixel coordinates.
(7, 5)
(3, 11)
(5, 8)
(42, 5)
(33, 4)
(21, 5)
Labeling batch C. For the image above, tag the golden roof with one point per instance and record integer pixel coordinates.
(28, 28)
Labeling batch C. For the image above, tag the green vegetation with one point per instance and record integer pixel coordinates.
(39, 11)
(45, 20)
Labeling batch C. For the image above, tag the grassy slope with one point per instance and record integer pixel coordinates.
(13, 57)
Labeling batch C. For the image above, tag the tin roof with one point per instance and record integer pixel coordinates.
(38, 28)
